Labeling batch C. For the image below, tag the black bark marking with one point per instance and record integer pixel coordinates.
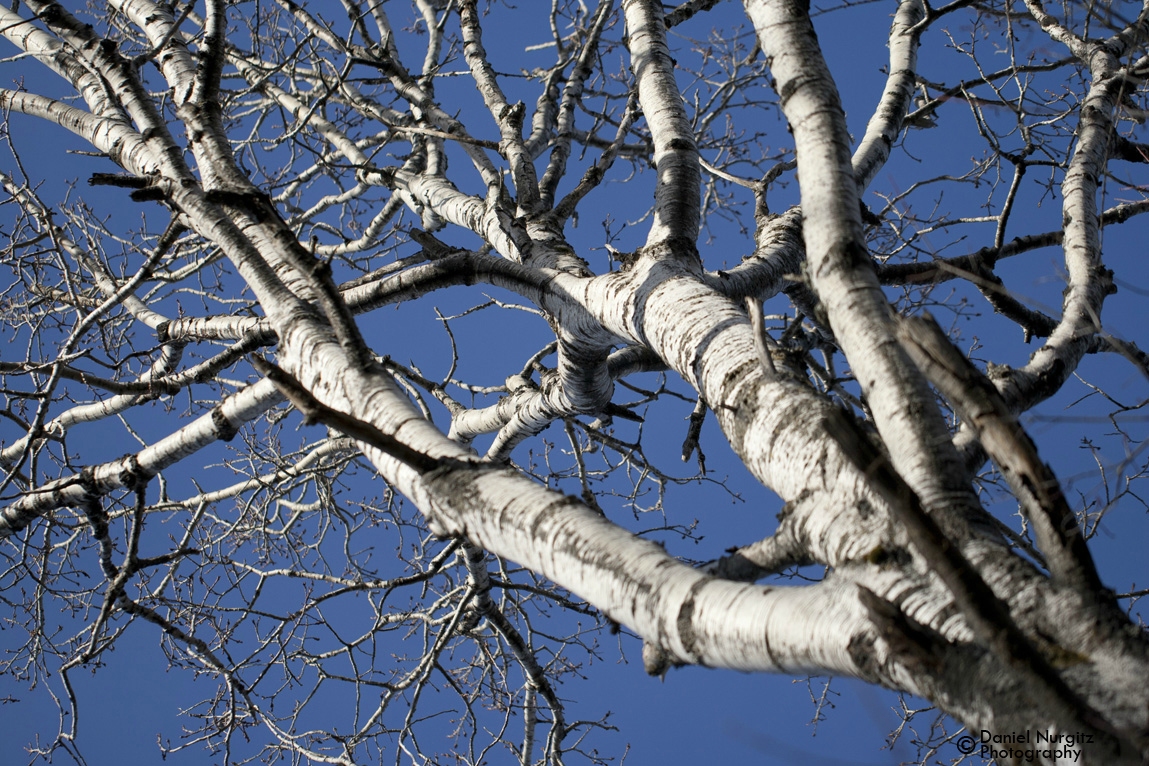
(132, 475)
(122, 180)
(148, 194)
(685, 621)
(863, 655)
(224, 428)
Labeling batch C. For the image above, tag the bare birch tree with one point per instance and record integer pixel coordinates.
(305, 517)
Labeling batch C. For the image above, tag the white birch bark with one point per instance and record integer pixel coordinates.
(676, 196)
(885, 124)
(839, 267)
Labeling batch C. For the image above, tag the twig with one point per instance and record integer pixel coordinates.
(314, 410)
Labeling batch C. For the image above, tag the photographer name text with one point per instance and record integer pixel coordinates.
(1026, 746)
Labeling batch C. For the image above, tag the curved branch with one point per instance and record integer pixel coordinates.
(222, 423)
(841, 271)
(1033, 482)
(886, 123)
(1089, 282)
(509, 119)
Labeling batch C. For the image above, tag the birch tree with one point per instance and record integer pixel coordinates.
(656, 211)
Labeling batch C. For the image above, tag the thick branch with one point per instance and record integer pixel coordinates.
(981, 406)
(676, 197)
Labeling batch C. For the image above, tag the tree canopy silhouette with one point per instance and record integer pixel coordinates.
(390, 533)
